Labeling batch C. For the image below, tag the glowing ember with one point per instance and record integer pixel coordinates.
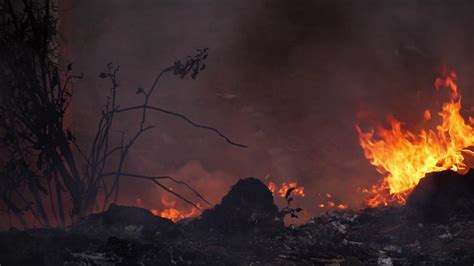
(342, 206)
(427, 115)
(272, 187)
(331, 203)
(404, 157)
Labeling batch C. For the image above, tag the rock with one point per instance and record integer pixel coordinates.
(248, 206)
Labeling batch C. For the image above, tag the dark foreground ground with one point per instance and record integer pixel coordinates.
(434, 228)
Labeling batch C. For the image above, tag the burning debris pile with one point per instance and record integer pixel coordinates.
(405, 157)
(244, 229)
(440, 196)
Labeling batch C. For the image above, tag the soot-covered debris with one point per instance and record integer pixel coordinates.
(247, 207)
(244, 229)
(441, 195)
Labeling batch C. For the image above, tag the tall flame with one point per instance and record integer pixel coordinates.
(404, 157)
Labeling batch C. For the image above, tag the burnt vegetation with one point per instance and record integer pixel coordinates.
(46, 178)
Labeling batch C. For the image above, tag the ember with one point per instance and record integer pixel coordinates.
(331, 203)
(404, 157)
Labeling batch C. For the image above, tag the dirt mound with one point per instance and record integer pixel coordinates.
(443, 194)
(248, 206)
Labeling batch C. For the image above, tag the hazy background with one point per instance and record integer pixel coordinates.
(288, 78)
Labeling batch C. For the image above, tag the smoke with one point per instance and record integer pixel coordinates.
(287, 78)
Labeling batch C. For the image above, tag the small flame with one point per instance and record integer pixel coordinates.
(284, 187)
(299, 191)
(330, 202)
(155, 212)
(272, 187)
(175, 215)
(342, 206)
(404, 157)
(170, 210)
(427, 115)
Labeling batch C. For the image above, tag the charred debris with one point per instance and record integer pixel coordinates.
(435, 227)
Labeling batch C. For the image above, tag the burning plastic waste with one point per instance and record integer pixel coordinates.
(404, 157)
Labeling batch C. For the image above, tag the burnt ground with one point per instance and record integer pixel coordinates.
(436, 227)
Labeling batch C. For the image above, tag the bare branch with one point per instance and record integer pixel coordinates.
(162, 177)
(176, 194)
(183, 117)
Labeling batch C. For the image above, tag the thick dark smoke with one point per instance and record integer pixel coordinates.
(288, 78)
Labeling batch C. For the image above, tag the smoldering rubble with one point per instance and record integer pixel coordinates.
(435, 227)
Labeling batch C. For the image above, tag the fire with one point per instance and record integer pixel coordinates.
(299, 191)
(330, 203)
(284, 187)
(170, 210)
(155, 212)
(404, 157)
(272, 187)
(173, 213)
(342, 206)
(427, 115)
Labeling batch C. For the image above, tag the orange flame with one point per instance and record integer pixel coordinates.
(427, 115)
(404, 157)
(173, 213)
(272, 187)
(342, 206)
(170, 211)
(155, 212)
(330, 203)
(284, 187)
(299, 191)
